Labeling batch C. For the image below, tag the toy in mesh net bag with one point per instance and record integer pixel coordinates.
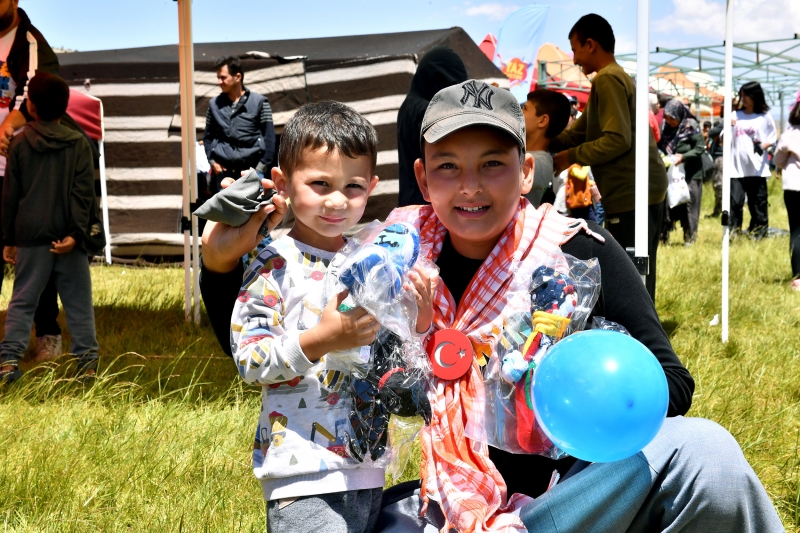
(389, 376)
(562, 293)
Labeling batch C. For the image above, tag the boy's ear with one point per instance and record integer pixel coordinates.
(372, 183)
(280, 181)
(544, 121)
(422, 179)
(528, 165)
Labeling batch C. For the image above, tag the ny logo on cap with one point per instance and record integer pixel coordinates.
(481, 93)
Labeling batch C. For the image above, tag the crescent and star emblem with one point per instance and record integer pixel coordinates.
(451, 354)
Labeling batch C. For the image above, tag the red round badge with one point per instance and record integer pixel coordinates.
(451, 354)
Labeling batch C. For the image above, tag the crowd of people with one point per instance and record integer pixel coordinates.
(477, 174)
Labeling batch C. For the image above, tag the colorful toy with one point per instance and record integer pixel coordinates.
(578, 193)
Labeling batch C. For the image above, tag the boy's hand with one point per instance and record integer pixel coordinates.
(63, 246)
(223, 245)
(10, 255)
(338, 330)
(561, 161)
(424, 287)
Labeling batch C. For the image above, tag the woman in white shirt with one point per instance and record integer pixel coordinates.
(787, 158)
(754, 132)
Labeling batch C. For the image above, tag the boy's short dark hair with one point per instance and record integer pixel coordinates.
(50, 95)
(706, 124)
(233, 63)
(553, 104)
(331, 124)
(794, 115)
(594, 27)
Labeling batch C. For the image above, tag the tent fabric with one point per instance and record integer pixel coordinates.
(87, 112)
(139, 89)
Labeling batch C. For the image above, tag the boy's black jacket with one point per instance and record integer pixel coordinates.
(48, 190)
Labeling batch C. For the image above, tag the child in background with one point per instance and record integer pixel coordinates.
(280, 332)
(787, 158)
(546, 115)
(48, 193)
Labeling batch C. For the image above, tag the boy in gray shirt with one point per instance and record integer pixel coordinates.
(48, 193)
(546, 115)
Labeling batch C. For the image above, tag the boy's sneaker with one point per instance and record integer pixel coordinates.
(48, 348)
(9, 374)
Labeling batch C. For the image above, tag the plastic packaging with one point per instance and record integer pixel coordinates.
(547, 304)
(394, 383)
(389, 377)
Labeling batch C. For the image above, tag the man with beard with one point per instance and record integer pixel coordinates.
(15, 49)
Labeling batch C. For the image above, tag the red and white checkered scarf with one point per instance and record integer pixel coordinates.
(455, 470)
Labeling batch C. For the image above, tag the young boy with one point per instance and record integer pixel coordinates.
(47, 196)
(280, 332)
(546, 115)
(480, 232)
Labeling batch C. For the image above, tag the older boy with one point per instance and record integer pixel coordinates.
(546, 115)
(603, 138)
(48, 192)
(280, 332)
(693, 477)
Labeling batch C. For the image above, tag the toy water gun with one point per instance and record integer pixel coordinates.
(578, 194)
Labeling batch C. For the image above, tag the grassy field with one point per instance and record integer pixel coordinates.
(161, 442)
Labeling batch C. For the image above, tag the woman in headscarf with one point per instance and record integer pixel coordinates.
(439, 68)
(682, 139)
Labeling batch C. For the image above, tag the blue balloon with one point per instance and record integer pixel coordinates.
(600, 396)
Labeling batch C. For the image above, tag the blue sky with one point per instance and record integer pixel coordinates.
(104, 24)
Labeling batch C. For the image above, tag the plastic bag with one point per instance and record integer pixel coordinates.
(394, 383)
(549, 303)
(389, 377)
(402, 434)
(678, 189)
(374, 265)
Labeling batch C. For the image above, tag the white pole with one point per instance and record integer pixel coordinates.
(727, 165)
(642, 140)
(186, 163)
(104, 199)
(191, 132)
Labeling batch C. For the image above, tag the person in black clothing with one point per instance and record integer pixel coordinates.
(15, 25)
(439, 68)
(681, 139)
(239, 132)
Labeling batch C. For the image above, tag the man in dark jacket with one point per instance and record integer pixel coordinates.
(439, 68)
(239, 131)
(15, 51)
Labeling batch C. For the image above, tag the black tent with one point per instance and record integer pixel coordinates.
(139, 90)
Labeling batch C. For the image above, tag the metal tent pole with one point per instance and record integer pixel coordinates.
(191, 133)
(104, 198)
(727, 139)
(642, 136)
(185, 160)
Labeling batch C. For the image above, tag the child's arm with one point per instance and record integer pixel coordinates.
(82, 196)
(266, 353)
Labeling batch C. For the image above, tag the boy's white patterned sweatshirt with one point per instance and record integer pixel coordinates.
(298, 450)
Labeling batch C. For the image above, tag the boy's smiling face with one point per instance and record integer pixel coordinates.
(474, 179)
(328, 194)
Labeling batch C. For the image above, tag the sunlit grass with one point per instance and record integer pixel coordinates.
(162, 441)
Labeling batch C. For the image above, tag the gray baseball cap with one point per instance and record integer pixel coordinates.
(472, 103)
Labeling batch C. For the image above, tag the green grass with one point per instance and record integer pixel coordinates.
(162, 441)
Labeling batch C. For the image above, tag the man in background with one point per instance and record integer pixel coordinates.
(239, 132)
